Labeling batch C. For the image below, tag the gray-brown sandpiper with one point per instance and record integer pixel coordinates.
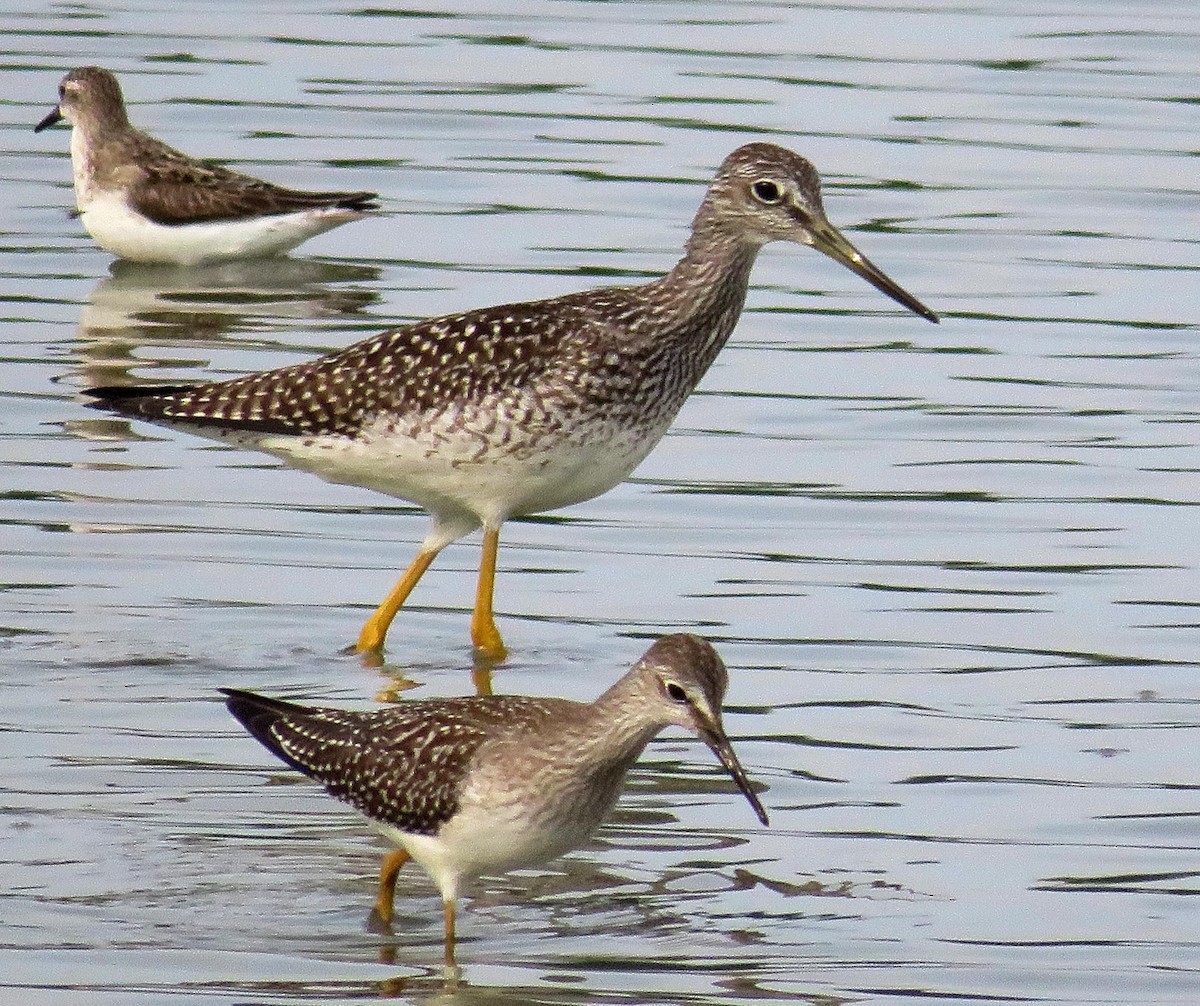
(145, 201)
(487, 784)
(522, 408)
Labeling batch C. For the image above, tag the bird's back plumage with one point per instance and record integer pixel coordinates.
(403, 766)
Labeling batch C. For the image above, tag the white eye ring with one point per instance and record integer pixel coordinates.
(767, 191)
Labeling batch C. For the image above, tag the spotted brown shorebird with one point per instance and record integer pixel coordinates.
(147, 202)
(518, 409)
(488, 784)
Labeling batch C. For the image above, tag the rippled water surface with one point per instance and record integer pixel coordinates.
(954, 570)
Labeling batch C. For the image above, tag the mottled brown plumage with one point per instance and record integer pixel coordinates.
(471, 786)
(404, 765)
(521, 408)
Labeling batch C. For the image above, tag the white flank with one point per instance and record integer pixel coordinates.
(129, 235)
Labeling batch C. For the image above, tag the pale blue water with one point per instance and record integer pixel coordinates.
(954, 570)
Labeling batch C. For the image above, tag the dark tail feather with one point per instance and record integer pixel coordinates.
(158, 403)
(145, 401)
(258, 714)
(122, 393)
(291, 200)
(362, 201)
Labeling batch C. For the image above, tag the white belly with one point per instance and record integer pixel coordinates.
(460, 477)
(126, 234)
(503, 840)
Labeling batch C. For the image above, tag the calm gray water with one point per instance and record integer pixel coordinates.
(954, 570)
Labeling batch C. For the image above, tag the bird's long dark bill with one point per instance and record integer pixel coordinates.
(832, 242)
(49, 120)
(719, 744)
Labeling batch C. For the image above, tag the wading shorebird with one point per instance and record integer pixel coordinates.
(522, 408)
(487, 784)
(144, 201)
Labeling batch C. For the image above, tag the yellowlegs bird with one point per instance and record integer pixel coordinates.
(487, 784)
(522, 408)
(145, 201)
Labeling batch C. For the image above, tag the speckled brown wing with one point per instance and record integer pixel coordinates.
(539, 348)
(403, 765)
(176, 190)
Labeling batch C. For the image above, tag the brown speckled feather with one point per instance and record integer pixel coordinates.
(403, 765)
(575, 354)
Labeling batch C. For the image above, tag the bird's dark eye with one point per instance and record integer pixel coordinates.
(676, 693)
(766, 191)
(62, 90)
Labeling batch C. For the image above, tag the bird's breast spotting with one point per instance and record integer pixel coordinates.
(472, 459)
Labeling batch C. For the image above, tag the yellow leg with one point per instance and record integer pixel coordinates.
(370, 640)
(484, 633)
(448, 916)
(388, 872)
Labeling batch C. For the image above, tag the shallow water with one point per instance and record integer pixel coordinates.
(953, 570)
